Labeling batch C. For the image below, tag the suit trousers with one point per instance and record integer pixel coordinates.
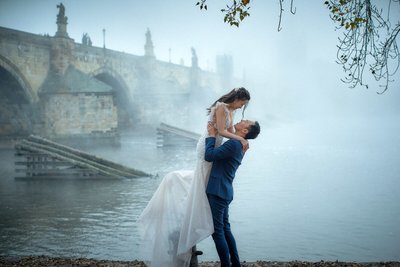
(223, 237)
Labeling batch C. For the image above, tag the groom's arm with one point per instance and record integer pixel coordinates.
(226, 150)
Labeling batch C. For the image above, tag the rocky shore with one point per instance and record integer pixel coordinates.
(43, 261)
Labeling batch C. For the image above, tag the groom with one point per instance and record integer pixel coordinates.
(226, 160)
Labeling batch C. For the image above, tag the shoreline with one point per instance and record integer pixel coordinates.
(46, 261)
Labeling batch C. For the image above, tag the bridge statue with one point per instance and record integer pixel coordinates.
(61, 18)
(61, 22)
(148, 47)
(194, 59)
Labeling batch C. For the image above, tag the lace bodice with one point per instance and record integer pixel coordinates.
(228, 122)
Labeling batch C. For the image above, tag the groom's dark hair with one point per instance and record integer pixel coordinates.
(253, 132)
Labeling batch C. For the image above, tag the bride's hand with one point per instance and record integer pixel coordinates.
(245, 144)
(211, 129)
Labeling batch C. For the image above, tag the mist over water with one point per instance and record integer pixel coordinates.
(329, 193)
(304, 191)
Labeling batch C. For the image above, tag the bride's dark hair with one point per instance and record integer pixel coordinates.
(240, 93)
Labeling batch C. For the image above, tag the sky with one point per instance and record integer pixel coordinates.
(291, 73)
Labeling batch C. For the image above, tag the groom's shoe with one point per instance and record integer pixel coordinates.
(193, 261)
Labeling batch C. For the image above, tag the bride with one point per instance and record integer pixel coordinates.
(178, 216)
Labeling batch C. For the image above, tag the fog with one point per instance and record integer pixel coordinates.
(291, 74)
(324, 148)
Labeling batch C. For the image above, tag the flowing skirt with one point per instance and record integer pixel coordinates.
(178, 216)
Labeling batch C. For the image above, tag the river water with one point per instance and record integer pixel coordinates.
(303, 192)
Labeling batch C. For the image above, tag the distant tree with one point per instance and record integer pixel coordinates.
(369, 36)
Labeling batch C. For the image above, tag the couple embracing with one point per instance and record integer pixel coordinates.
(189, 206)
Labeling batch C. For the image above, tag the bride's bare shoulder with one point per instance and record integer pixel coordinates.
(220, 109)
(220, 104)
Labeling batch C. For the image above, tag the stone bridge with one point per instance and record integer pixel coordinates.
(54, 86)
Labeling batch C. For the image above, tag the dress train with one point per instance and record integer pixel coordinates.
(178, 216)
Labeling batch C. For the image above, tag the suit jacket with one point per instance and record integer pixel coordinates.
(226, 160)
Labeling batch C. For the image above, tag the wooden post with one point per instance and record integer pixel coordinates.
(47, 159)
(168, 135)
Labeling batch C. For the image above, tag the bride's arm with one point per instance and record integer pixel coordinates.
(220, 120)
(231, 129)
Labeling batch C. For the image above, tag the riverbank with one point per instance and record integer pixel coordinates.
(43, 261)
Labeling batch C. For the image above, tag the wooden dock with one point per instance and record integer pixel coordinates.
(37, 157)
(168, 136)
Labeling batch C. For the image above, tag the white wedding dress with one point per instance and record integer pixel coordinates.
(178, 216)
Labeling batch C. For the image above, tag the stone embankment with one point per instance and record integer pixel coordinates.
(43, 261)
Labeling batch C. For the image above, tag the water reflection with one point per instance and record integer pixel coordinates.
(84, 218)
(298, 199)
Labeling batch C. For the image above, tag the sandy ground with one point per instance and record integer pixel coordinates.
(37, 261)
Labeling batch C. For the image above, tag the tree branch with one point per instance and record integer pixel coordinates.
(280, 15)
(363, 25)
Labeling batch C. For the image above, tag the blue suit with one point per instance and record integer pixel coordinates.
(226, 160)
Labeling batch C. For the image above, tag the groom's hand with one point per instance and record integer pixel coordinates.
(211, 129)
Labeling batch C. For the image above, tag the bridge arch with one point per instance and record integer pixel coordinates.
(122, 98)
(17, 109)
(9, 70)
